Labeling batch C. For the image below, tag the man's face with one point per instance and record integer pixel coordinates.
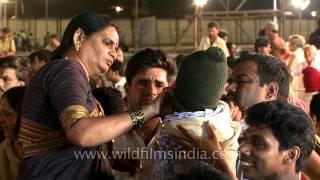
(9, 79)
(243, 85)
(265, 50)
(146, 86)
(260, 157)
(213, 32)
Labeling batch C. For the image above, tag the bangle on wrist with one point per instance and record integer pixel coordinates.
(137, 117)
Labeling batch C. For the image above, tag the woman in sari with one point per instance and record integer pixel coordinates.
(63, 130)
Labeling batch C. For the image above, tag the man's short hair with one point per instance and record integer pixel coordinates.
(54, 36)
(270, 70)
(6, 30)
(118, 66)
(42, 55)
(222, 34)
(290, 125)
(260, 43)
(213, 24)
(146, 59)
(14, 63)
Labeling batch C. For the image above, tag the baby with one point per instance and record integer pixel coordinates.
(199, 87)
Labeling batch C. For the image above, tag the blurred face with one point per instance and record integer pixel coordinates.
(7, 118)
(146, 86)
(100, 50)
(269, 33)
(120, 56)
(309, 55)
(111, 76)
(291, 46)
(265, 50)
(243, 85)
(34, 66)
(5, 35)
(260, 157)
(213, 32)
(9, 79)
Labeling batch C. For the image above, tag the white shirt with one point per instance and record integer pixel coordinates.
(220, 43)
(120, 86)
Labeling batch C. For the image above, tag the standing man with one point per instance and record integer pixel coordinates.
(278, 48)
(147, 74)
(213, 40)
(7, 45)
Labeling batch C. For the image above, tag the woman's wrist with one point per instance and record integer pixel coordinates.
(137, 117)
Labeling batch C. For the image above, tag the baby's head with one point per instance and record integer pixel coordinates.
(200, 80)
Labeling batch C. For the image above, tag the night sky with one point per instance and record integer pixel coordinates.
(159, 8)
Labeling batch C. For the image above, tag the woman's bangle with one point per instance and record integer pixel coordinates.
(137, 117)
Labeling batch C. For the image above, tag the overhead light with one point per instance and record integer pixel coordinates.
(118, 9)
(200, 3)
(300, 4)
(313, 13)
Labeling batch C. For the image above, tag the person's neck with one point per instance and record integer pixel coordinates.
(285, 175)
(74, 56)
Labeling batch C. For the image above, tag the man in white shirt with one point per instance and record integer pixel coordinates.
(213, 40)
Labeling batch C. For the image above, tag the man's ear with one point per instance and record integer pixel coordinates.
(272, 91)
(292, 155)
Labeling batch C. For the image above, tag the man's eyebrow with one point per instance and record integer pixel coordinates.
(242, 75)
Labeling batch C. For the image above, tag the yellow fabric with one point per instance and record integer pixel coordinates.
(72, 114)
(9, 161)
(7, 45)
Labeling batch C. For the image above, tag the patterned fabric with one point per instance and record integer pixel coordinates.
(226, 130)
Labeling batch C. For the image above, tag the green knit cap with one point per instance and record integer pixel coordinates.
(200, 80)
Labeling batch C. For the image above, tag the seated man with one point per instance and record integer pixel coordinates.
(277, 143)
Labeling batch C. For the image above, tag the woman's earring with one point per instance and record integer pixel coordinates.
(77, 45)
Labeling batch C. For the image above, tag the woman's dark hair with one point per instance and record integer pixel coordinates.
(14, 97)
(89, 22)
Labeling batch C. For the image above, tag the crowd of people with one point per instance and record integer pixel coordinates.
(77, 110)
